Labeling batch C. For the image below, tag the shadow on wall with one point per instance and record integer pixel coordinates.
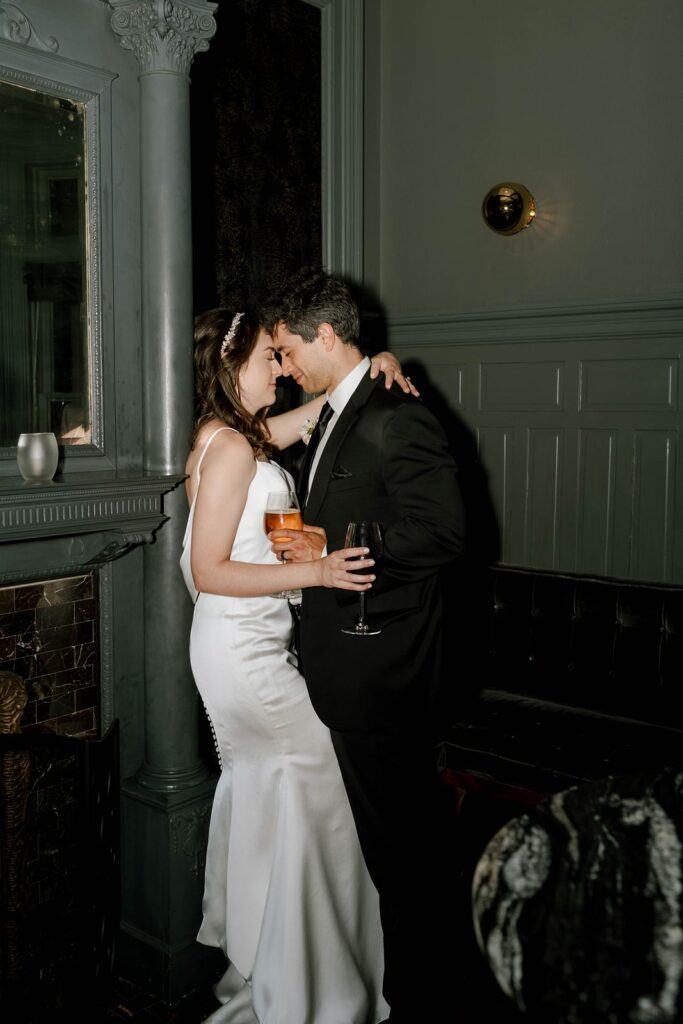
(467, 592)
(483, 534)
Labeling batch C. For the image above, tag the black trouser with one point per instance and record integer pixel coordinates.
(398, 806)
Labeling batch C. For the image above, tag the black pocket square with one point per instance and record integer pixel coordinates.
(339, 473)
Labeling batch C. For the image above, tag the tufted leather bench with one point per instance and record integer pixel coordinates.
(580, 678)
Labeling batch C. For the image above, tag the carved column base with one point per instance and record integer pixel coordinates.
(163, 852)
(169, 781)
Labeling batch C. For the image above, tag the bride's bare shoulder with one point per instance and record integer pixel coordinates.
(224, 442)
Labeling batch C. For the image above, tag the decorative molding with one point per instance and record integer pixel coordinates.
(15, 26)
(52, 73)
(130, 506)
(122, 543)
(94, 264)
(106, 645)
(657, 318)
(58, 557)
(164, 35)
(189, 835)
(71, 516)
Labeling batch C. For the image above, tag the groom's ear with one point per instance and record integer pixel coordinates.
(326, 335)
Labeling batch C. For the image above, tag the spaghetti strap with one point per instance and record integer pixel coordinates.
(204, 450)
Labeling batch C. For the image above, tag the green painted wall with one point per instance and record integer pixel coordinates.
(559, 347)
(580, 101)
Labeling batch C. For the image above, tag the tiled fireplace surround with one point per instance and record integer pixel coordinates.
(57, 635)
(57, 544)
(48, 637)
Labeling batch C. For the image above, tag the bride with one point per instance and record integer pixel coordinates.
(287, 896)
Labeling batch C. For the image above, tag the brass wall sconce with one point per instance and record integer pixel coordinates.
(508, 208)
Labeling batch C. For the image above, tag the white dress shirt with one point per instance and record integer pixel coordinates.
(338, 399)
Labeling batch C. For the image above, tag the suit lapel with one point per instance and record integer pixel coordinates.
(350, 414)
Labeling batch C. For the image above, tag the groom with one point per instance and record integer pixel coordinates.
(381, 456)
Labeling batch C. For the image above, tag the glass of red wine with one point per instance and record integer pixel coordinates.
(364, 535)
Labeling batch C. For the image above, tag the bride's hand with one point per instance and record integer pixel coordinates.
(388, 364)
(337, 571)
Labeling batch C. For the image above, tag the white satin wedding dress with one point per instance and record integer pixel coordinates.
(287, 895)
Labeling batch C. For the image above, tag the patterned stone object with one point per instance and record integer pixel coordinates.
(578, 905)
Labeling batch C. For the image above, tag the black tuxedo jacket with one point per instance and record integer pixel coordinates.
(386, 459)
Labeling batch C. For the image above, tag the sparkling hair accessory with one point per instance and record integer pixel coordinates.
(231, 333)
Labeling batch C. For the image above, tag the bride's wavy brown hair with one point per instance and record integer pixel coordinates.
(216, 375)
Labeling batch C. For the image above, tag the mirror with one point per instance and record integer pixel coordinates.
(44, 346)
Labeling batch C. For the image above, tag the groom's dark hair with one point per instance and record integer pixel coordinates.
(312, 297)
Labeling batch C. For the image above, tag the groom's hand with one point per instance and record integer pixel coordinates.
(299, 545)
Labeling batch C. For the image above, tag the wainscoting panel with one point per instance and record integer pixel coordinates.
(576, 416)
(542, 511)
(517, 386)
(596, 483)
(654, 462)
(499, 448)
(629, 385)
(457, 381)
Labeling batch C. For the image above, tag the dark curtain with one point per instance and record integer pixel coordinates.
(256, 190)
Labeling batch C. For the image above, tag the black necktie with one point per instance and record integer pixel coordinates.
(325, 414)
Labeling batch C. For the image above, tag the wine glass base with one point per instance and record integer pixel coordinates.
(361, 630)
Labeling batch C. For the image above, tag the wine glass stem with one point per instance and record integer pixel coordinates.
(361, 618)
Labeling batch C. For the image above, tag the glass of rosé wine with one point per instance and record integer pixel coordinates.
(282, 512)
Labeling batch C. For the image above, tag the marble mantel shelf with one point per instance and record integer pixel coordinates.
(78, 523)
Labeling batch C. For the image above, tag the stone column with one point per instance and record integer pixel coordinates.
(166, 807)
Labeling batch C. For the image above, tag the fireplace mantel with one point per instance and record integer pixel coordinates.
(79, 521)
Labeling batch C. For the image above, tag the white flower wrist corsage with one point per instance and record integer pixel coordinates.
(306, 429)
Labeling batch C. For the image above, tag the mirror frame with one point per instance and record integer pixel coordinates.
(68, 79)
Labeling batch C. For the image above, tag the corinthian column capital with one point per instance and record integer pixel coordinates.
(164, 35)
